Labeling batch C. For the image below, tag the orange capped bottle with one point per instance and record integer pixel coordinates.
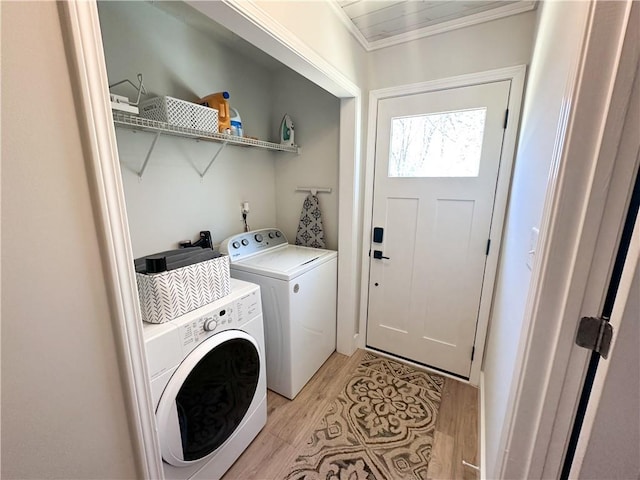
(219, 101)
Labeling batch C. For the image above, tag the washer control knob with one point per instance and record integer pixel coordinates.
(258, 237)
(278, 234)
(235, 244)
(245, 242)
(272, 234)
(210, 325)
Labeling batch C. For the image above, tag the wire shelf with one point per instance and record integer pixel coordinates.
(137, 123)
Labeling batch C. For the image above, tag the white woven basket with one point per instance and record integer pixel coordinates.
(180, 113)
(167, 295)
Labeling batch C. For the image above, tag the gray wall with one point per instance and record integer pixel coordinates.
(172, 202)
(315, 114)
(63, 412)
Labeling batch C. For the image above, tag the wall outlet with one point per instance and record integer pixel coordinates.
(533, 246)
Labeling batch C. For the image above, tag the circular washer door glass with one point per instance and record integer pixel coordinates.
(216, 395)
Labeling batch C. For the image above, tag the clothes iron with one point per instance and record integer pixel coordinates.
(287, 131)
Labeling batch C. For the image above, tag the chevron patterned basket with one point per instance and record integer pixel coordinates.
(167, 295)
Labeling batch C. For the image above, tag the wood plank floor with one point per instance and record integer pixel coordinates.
(290, 422)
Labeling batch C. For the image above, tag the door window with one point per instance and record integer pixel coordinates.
(215, 397)
(445, 144)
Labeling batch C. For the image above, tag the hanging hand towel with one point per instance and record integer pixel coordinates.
(310, 231)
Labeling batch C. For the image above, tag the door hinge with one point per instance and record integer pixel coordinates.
(506, 118)
(473, 352)
(488, 246)
(595, 334)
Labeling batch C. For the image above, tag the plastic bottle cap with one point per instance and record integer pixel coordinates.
(156, 264)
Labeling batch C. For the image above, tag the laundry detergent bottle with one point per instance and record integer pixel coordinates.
(219, 101)
(236, 123)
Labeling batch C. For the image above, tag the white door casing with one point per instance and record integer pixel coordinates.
(515, 76)
(83, 43)
(436, 217)
(610, 429)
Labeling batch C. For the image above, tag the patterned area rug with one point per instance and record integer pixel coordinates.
(380, 427)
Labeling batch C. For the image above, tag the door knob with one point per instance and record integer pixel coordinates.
(378, 254)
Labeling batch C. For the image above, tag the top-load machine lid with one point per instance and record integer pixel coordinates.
(267, 252)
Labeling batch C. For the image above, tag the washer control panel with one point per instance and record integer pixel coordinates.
(197, 330)
(244, 245)
(228, 316)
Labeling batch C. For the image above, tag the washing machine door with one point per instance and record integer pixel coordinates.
(207, 397)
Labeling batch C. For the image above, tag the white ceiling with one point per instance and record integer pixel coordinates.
(381, 23)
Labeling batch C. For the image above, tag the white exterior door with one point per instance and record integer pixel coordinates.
(436, 168)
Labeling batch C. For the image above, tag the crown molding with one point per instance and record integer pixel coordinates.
(475, 19)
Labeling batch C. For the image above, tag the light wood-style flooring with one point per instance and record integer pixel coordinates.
(289, 423)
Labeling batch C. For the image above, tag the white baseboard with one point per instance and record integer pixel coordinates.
(482, 433)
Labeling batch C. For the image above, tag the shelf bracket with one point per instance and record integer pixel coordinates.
(224, 144)
(146, 160)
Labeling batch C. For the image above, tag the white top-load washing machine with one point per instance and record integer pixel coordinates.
(208, 382)
(299, 289)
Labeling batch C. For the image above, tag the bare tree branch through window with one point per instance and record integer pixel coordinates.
(445, 144)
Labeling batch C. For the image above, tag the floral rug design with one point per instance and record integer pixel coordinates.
(380, 426)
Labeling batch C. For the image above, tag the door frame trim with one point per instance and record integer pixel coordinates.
(620, 143)
(83, 45)
(517, 77)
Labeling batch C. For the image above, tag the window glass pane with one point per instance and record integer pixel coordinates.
(446, 144)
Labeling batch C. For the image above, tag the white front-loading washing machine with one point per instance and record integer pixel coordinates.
(299, 291)
(208, 382)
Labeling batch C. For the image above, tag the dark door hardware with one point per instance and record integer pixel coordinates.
(378, 232)
(595, 333)
(378, 254)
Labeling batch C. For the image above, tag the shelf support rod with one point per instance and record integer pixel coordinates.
(224, 144)
(146, 160)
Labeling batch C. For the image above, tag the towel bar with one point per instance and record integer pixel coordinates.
(313, 190)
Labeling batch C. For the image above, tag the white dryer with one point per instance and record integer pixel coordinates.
(208, 381)
(299, 290)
